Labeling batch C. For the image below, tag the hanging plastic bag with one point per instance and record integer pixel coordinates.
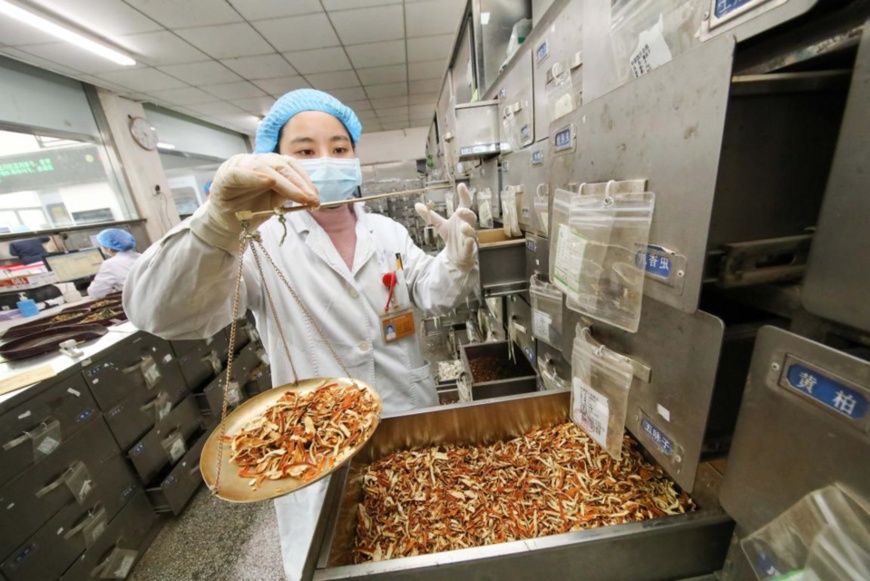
(448, 201)
(512, 134)
(546, 302)
(541, 205)
(600, 384)
(609, 230)
(510, 215)
(560, 92)
(484, 207)
(566, 248)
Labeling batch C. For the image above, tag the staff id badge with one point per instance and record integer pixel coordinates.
(397, 324)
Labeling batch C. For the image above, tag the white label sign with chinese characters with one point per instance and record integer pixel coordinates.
(591, 411)
(652, 51)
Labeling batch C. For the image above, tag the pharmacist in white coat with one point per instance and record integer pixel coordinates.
(335, 260)
(120, 246)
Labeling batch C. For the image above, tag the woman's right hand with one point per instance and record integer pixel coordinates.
(254, 183)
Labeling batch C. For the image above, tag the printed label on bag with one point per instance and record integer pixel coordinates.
(541, 323)
(570, 248)
(150, 371)
(591, 411)
(47, 445)
(652, 51)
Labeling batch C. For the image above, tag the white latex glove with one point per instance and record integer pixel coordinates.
(458, 232)
(250, 182)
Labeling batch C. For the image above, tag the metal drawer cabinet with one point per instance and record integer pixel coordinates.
(259, 380)
(200, 365)
(211, 398)
(133, 417)
(144, 362)
(181, 347)
(51, 550)
(129, 531)
(167, 442)
(179, 487)
(29, 432)
(33, 497)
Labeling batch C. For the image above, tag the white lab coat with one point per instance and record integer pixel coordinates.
(112, 274)
(182, 288)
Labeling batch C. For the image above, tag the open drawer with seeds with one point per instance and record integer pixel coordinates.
(510, 488)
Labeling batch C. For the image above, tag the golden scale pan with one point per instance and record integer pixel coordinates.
(220, 475)
(235, 488)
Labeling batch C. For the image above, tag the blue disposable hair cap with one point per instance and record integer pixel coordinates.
(296, 102)
(116, 239)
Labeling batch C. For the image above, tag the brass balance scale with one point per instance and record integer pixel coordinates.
(220, 475)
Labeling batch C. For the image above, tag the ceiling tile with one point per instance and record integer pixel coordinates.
(277, 87)
(338, 80)
(383, 120)
(377, 54)
(14, 33)
(227, 40)
(369, 24)
(298, 32)
(161, 48)
(359, 106)
(346, 4)
(216, 108)
(186, 96)
(422, 98)
(143, 80)
(36, 61)
(391, 90)
(232, 91)
(255, 105)
(108, 17)
(394, 126)
(423, 110)
(71, 57)
(366, 116)
(175, 14)
(433, 17)
(267, 66)
(427, 70)
(389, 102)
(383, 75)
(421, 121)
(427, 86)
(321, 60)
(207, 73)
(372, 127)
(265, 9)
(353, 94)
(429, 48)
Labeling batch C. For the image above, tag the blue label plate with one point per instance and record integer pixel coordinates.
(829, 392)
(662, 442)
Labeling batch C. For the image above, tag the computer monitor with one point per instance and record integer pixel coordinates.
(73, 266)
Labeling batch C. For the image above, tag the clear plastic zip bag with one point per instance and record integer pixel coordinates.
(484, 207)
(560, 92)
(448, 201)
(541, 206)
(547, 303)
(600, 384)
(563, 269)
(607, 231)
(510, 213)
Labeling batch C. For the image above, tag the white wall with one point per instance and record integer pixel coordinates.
(384, 146)
(143, 168)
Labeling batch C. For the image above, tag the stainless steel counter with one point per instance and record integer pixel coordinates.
(673, 547)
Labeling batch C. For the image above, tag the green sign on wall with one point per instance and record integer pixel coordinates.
(42, 170)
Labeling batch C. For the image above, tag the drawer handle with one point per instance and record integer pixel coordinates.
(150, 405)
(193, 471)
(92, 515)
(16, 442)
(99, 568)
(51, 486)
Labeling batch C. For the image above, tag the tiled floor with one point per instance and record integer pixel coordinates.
(214, 540)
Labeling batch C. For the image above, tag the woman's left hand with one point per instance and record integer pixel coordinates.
(458, 231)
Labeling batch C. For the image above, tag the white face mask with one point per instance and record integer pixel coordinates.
(336, 178)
